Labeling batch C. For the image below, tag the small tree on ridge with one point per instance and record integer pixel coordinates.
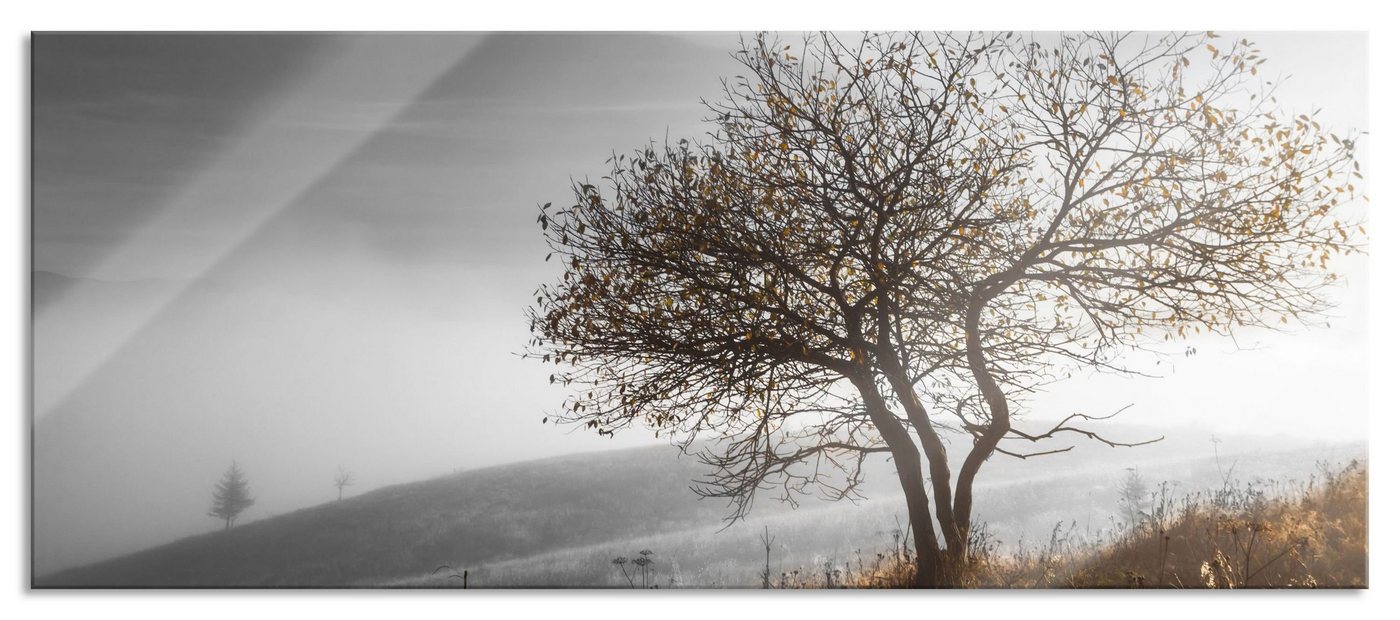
(231, 496)
(343, 478)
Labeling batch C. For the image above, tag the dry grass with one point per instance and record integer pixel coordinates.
(1239, 537)
(1257, 535)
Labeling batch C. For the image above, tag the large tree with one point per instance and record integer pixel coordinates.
(890, 239)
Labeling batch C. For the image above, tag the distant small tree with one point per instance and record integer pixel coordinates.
(343, 478)
(231, 496)
(1132, 494)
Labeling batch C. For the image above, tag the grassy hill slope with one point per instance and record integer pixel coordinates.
(473, 517)
(560, 522)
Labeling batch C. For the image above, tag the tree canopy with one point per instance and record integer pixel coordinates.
(886, 240)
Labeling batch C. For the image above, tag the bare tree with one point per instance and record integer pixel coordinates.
(767, 574)
(343, 478)
(888, 240)
(231, 496)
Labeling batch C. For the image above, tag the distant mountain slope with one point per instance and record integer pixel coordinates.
(478, 516)
(523, 520)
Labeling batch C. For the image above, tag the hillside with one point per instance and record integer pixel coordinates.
(472, 517)
(561, 521)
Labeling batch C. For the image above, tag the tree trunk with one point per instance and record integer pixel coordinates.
(911, 480)
(895, 370)
(955, 539)
(988, 437)
(934, 450)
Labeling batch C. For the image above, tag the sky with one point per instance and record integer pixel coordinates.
(311, 251)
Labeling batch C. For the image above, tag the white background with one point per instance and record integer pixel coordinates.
(708, 15)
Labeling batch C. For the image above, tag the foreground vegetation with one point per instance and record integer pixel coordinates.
(1262, 534)
(1239, 537)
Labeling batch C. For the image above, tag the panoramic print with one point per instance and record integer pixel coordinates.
(764, 310)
